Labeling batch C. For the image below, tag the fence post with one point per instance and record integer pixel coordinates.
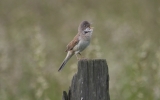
(91, 82)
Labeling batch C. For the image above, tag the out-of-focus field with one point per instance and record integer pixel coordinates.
(34, 35)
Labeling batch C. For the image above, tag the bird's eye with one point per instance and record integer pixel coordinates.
(85, 32)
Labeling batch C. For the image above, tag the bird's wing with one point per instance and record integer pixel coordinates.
(72, 44)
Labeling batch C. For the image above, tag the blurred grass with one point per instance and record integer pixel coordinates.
(34, 34)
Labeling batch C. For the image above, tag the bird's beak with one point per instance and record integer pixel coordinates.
(91, 27)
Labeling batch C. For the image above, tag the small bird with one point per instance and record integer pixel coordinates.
(79, 42)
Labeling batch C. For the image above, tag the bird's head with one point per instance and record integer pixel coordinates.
(85, 27)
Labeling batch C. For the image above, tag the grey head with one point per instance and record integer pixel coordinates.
(85, 27)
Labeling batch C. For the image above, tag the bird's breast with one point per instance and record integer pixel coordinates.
(82, 44)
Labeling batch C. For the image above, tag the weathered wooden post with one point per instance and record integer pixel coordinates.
(91, 82)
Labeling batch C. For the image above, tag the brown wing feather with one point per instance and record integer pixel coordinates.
(74, 42)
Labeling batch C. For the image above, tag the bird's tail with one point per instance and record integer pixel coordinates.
(69, 55)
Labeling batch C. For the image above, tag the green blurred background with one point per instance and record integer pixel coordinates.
(34, 35)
